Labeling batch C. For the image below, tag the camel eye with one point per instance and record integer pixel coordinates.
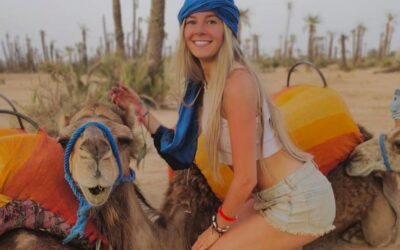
(124, 140)
(63, 141)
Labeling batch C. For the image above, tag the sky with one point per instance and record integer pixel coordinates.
(62, 19)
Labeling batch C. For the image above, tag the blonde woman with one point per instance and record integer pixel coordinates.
(293, 203)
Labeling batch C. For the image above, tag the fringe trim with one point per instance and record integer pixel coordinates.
(317, 233)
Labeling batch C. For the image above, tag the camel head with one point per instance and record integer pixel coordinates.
(93, 166)
(367, 156)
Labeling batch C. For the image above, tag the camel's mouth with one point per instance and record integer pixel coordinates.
(96, 196)
(96, 190)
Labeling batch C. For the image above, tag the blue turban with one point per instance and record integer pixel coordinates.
(224, 9)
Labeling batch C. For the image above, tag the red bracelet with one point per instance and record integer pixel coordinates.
(226, 217)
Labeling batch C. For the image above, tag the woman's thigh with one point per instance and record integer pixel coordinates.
(254, 232)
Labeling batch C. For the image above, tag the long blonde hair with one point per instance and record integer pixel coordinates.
(189, 67)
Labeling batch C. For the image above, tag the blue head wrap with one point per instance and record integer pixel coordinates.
(224, 9)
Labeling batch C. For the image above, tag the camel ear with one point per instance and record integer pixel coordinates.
(126, 116)
(63, 141)
(394, 134)
(394, 139)
(64, 134)
(359, 170)
(63, 121)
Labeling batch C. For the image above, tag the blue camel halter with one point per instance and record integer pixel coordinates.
(84, 206)
(384, 153)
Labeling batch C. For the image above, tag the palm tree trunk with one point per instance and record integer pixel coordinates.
(85, 60)
(29, 55)
(387, 36)
(135, 7)
(10, 52)
(44, 47)
(119, 33)
(381, 45)
(354, 44)
(256, 48)
(155, 39)
(5, 54)
(139, 38)
(286, 39)
(52, 51)
(343, 45)
(311, 43)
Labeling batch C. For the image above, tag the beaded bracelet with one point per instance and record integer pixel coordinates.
(218, 229)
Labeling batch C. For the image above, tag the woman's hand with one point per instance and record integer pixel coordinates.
(206, 239)
(123, 96)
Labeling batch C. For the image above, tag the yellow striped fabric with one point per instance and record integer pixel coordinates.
(318, 121)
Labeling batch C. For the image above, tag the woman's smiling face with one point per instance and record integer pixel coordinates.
(204, 35)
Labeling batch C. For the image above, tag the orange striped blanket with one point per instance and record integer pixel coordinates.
(31, 168)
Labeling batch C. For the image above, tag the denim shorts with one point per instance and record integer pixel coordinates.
(302, 203)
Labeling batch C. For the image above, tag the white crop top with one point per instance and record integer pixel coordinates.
(271, 144)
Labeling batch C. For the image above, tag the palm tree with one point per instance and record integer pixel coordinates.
(360, 31)
(292, 41)
(29, 55)
(44, 47)
(312, 22)
(52, 50)
(139, 39)
(343, 39)
(243, 21)
(286, 41)
(381, 45)
(388, 34)
(3, 46)
(119, 33)
(85, 60)
(331, 36)
(256, 47)
(155, 40)
(354, 42)
(135, 7)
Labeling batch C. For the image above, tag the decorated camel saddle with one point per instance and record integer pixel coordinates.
(33, 191)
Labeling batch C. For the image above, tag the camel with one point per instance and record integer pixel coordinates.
(128, 222)
(367, 195)
(121, 215)
(367, 211)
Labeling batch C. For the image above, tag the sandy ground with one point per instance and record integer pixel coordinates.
(367, 94)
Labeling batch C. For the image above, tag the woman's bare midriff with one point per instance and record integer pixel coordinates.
(276, 168)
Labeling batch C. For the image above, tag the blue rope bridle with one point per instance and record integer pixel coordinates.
(384, 153)
(84, 206)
